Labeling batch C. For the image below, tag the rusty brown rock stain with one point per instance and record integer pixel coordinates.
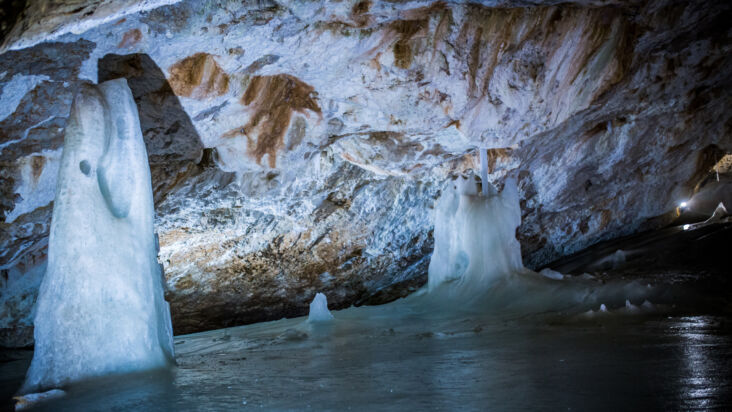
(130, 38)
(605, 218)
(349, 157)
(185, 282)
(421, 13)
(455, 123)
(37, 163)
(489, 33)
(374, 62)
(198, 76)
(359, 13)
(413, 24)
(495, 155)
(405, 31)
(605, 38)
(273, 100)
(442, 30)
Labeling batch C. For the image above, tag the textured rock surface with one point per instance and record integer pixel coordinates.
(298, 147)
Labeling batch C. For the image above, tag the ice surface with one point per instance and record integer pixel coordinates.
(100, 308)
(33, 399)
(319, 309)
(551, 274)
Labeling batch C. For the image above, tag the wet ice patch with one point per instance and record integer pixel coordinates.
(31, 400)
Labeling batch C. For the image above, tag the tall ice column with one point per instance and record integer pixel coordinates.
(101, 308)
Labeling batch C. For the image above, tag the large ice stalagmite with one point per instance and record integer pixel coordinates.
(319, 310)
(476, 263)
(475, 237)
(101, 308)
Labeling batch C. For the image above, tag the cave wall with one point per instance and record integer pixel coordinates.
(298, 147)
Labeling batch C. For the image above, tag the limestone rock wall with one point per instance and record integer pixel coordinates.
(298, 147)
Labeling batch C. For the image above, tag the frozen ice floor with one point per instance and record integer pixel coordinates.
(368, 359)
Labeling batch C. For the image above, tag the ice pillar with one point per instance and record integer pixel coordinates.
(484, 171)
(319, 309)
(101, 309)
(475, 239)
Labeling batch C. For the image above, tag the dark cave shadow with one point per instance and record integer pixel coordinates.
(173, 145)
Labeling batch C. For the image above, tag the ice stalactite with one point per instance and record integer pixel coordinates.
(484, 171)
(101, 308)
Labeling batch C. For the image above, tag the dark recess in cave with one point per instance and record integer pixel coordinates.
(10, 14)
(164, 123)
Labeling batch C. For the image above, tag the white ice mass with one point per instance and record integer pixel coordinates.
(477, 265)
(319, 309)
(101, 308)
(475, 241)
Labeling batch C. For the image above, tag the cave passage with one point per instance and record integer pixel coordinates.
(365, 205)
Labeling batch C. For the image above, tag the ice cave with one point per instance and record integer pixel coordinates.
(216, 205)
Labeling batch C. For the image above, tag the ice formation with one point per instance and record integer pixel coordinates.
(101, 308)
(551, 274)
(319, 309)
(475, 237)
(32, 400)
(618, 259)
(476, 264)
(719, 213)
(613, 261)
(484, 171)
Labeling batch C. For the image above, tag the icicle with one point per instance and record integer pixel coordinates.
(484, 170)
(716, 170)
